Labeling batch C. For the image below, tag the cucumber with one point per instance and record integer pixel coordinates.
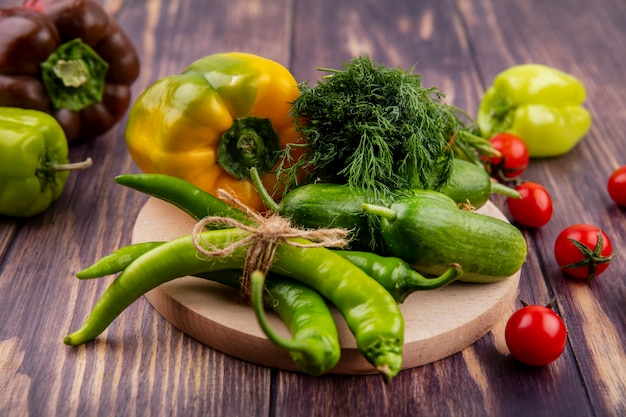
(335, 205)
(325, 205)
(471, 183)
(468, 183)
(430, 232)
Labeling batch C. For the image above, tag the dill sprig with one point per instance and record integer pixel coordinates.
(374, 128)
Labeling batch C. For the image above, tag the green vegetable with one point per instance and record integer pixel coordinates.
(375, 129)
(430, 232)
(74, 76)
(540, 104)
(314, 346)
(302, 309)
(334, 205)
(33, 161)
(396, 275)
(370, 312)
(471, 183)
(117, 261)
(330, 205)
(186, 196)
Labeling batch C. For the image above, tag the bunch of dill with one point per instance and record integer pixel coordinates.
(374, 128)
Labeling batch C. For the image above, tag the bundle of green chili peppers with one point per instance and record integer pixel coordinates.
(365, 287)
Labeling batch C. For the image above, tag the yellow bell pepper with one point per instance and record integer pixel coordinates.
(210, 124)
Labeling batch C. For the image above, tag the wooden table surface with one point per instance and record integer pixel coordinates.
(144, 366)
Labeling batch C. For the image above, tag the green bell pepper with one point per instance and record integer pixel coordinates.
(538, 103)
(33, 161)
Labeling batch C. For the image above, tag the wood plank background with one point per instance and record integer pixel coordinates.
(144, 366)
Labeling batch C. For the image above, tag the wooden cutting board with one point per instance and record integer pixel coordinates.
(438, 323)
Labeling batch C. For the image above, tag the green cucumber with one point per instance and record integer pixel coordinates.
(335, 205)
(325, 205)
(430, 232)
(470, 183)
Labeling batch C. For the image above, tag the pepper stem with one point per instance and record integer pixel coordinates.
(249, 142)
(258, 285)
(72, 73)
(49, 171)
(74, 76)
(74, 166)
(414, 281)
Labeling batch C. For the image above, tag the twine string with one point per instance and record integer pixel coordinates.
(264, 237)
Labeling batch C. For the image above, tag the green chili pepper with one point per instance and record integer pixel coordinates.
(315, 343)
(396, 275)
(148, 271)
(186, 196)
(540, 104)
(371, 313)
(314, 346)
(117, 261)
(393, 273)
(303, 310)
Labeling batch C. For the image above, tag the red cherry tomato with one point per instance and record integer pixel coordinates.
(514, 159)
(535, 335)
(617, 186)
(583, 251)
(534, 207)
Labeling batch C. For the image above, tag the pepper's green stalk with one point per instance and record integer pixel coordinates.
(263, 193)
(250, 142)
(74, 76)
(309, 351)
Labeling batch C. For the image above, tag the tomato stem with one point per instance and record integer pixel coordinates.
(591, 258)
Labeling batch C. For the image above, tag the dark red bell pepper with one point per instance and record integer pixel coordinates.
(69, 58)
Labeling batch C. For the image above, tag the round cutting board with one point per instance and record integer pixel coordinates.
(438, 323)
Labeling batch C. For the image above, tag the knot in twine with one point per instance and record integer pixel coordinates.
(265, 236)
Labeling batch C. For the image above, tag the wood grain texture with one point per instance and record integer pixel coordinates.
(593, 313)
(144, 366)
